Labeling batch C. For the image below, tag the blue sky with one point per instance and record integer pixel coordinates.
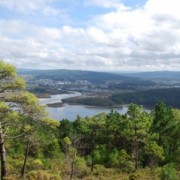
(102, 35)
(72, 12)
(134, 3)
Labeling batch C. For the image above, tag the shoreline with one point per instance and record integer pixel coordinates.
(88, 105)
(55, 105)
(63, 102)
(66, 101)
(49, 94)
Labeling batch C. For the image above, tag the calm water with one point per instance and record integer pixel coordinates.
(71, 111)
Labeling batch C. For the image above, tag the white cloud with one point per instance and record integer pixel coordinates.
(26, 5)
(145, 38)
(116, 4)
(97, 35)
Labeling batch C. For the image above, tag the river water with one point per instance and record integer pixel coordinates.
(71, 111)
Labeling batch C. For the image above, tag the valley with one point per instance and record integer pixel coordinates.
(105, 89)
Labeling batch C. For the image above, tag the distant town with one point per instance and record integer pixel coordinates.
(102, 88)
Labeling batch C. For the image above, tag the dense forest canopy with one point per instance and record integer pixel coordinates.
(147, 98)
(136, 145)
(150, 98)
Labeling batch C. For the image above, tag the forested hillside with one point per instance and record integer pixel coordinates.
(156, 75)
(147, 98)
(136, 145)
(73, 75)
(150, 98)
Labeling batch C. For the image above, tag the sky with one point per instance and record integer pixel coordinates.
(100, 35)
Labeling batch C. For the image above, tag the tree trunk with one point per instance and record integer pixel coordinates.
(23, 170)
(3, 155)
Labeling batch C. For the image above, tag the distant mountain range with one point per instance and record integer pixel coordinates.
(155, 75)
(98, 77)
(72, 75)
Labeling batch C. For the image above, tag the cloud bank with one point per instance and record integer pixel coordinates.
(51, 34)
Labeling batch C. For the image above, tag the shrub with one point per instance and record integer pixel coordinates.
(133, 176)
(37, 164)
(42, 175)
(168, 172)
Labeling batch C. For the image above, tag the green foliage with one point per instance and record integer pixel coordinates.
(97, 101)
(15, 149)
(80, 167)
(125, 162)
(107, 141)
(51, 123)
(37, 164)
(169, 173)
(65, 129)
(149, 98)
(52, 149)
(66, 141)
(41, 175)
(104, 145)
(99, 154)
(133, 176)
(100, 170)
(137, 131)
(167, 124)
(119, 159)
(152, 149)
(9, 79)
(22, 120)
(113, 158)
(80, 162)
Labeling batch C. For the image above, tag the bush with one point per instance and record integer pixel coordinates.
(169, 173)
(81, 167)
(14, 164)
(139, 175)
(42, 175)
(37, 164)
(80, 162)
(100, 170)
(124, 161)
(133, 176)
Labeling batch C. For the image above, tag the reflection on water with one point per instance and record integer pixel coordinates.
(57, 98)
(71, 111)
